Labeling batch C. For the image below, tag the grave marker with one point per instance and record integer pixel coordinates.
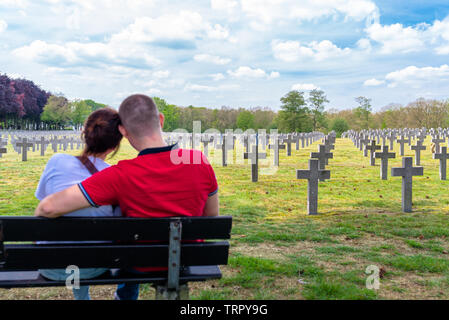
(254, 157)
(407, 172)
(437, 141)
(313, 175)
(322, 155)
(372, 148)
(384, 156)
(24, 145)
(418, 148)
(402, 142)
(442, 156)
(276, 146)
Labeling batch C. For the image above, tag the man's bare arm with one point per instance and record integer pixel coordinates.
(60, 203)
(212, 207)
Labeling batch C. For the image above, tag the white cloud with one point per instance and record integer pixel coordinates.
(416, 77)
(247, 72)
(14, 3)
(87, 54)
(226, 5)
(211, 59)
(203, 88)
(217, 76)
(3, 25)
(304, 87)
(161, 74)
(185, 25)
(373, 82)
(395, 38)
(218, 32)
(440, 35)
(99, 16)
(274, 75)
(292, 51)
(364, 45)
(154, 91)
(270, 11)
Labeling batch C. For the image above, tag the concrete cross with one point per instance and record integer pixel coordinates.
(363, 141)
(372, 147)
(206, 140)
(384, 156)
(392, 138)
(303, 138)
(225, 145)
(246, 142)
(329, 146)
(3, 144)
(54, 144)
(254, 157)
(313, 175)
(407, 172)
(289, 140)
(24, 145)
(418, 148)
(442, 156)
(384, 140)
(437, 141)
(402, 142)
(276, 146)
(43, 146)
(297, 138)
(322, 155)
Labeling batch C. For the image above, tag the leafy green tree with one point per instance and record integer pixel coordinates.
(363, 111)
(317, 100)
(339, 125)
(94, 105)
(170, 112)
(294, 113)
(57, 112)
(245, 120)
(80, 111)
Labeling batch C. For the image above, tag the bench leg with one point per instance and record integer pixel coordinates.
(162, 293)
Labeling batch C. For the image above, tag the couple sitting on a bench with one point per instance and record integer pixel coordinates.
(150, 185)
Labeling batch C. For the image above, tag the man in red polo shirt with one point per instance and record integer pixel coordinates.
(155, 184)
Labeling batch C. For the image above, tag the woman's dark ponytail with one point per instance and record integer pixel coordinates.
(101, 132)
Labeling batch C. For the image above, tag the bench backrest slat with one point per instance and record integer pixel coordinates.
(31, 257)
(111, 229)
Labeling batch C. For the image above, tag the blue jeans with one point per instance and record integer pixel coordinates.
(128, 291)
(60, 275)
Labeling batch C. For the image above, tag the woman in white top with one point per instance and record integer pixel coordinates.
(102, 137)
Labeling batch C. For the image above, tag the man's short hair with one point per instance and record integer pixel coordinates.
(139, 115)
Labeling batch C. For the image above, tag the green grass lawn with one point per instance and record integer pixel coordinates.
(278, 251)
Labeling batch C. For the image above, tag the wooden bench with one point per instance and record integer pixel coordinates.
(186, 260)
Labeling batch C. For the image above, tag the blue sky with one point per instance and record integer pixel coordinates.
(238, 53)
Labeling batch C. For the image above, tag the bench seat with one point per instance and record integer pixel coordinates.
(28, 279)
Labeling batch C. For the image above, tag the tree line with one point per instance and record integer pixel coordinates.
(24, 105)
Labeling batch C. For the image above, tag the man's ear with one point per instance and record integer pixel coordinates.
(161, 120)
(123, 131)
